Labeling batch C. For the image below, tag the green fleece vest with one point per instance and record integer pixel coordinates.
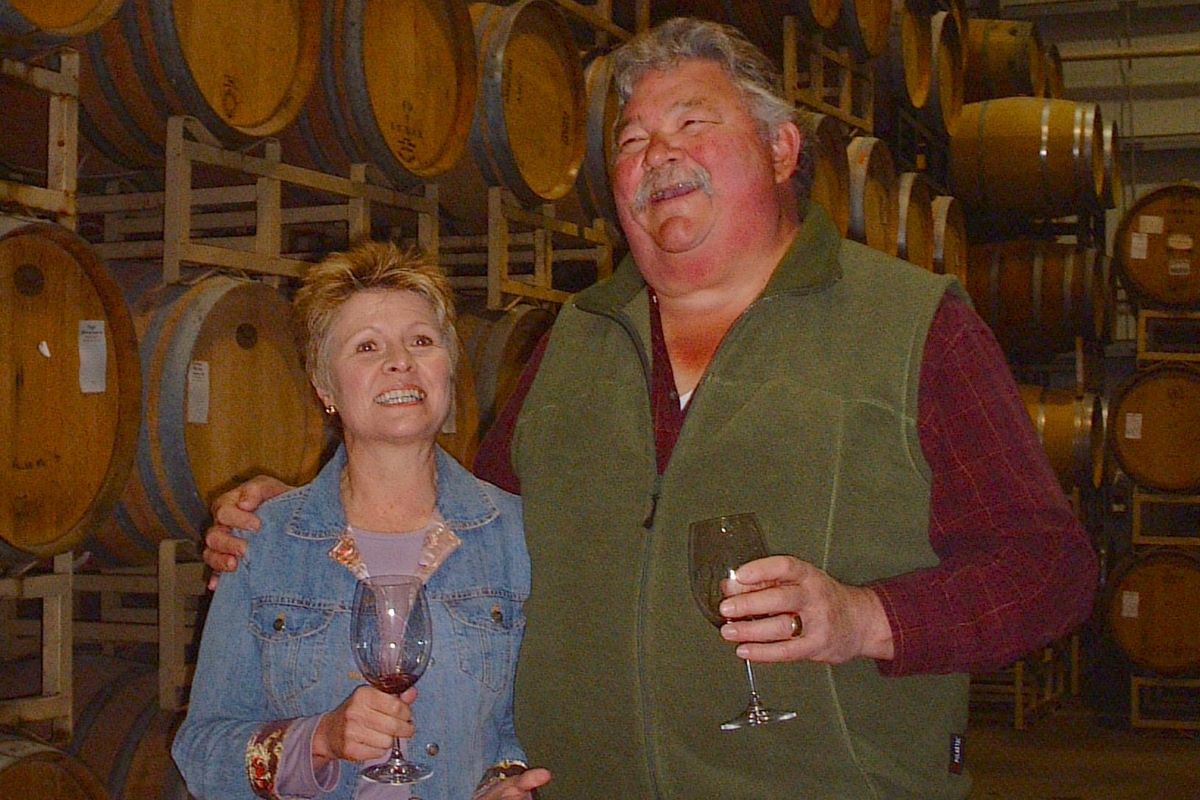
(806, 416)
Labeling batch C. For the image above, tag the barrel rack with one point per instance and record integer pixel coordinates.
(53, 703)
(534, 248)
(827, 79)
(1162, 519)
(1033, 685)
(61, 87)
(154, 225)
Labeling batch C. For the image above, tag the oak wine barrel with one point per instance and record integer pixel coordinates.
(1004, 58)
(1157, 247)
(38, 24)
(864, 26)
(1052, 156)
(225, 398)
(1153, 611)
(70, 391)
(499, 345)
(529, 132)
(944, 107)
(1037, 296)
(592, 197)
(908, 62)
(1052, 67)
(460, 433)
(29, 768)
(1110, 189)
(914, 223)
(950, 244)
(397, 89)
(243, 69)
(1071, 430)
(873, 199)
(1155, 434)
(823, 175)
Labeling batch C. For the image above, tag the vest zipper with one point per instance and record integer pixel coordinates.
(655, 491)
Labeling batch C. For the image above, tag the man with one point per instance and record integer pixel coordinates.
(744, 358)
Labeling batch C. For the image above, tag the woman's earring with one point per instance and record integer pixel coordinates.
(330, 409)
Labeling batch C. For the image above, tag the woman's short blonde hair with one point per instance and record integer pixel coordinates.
(367, 267)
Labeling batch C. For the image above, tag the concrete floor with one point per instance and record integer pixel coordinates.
(1074, 753)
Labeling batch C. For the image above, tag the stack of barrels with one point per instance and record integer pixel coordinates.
(1153, 602)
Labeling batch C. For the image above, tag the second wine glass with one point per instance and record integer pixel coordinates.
(392, 634)
(716, 548)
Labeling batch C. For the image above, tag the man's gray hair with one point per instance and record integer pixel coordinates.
(683, 39)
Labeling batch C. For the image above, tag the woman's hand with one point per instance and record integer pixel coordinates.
(518, 787)
(363, 726)
(235, 509)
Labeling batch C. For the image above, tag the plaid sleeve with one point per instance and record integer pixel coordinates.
(1016, 568)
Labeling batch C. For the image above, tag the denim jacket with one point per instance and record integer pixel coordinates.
(277, 640)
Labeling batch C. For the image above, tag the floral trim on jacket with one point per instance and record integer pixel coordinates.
(263, 752)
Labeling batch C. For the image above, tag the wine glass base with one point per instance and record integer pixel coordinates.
(754, 717)
(397, 773)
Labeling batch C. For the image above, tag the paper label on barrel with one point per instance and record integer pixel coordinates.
(1129, 605)
(93, 357)
(1179, 267)
(1133, 426)
(197, 393)
(1179, 241)
(1149, 223)
(1138, 246)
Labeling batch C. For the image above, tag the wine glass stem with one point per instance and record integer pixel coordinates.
(397, 756)
(755, 703)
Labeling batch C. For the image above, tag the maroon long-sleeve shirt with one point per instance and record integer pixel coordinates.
(1016, 568)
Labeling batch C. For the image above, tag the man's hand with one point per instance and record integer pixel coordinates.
(518, 787)
(364, 726)
(235, 509)
(799, 613)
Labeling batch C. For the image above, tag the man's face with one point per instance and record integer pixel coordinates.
(692, 175)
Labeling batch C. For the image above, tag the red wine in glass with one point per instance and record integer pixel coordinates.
(716, 548)
(392, 633)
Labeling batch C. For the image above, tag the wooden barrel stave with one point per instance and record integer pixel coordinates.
(1071, 430)
(1053, 160)
(1004, 58)
(27, 25)
(1037, 296)
(950, 245)
(873, 200)
(914, 223)
(397, 88)
(823, 175)
(29, 768)
(529, 131)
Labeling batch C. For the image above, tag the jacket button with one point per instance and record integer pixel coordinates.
(431, 749)
(279, 623)
(497, 615)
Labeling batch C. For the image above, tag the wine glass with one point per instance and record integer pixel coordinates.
(392, 633)
(716, 548)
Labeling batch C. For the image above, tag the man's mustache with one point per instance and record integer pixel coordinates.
(665, 178)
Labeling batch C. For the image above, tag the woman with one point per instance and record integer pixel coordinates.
(276, 706)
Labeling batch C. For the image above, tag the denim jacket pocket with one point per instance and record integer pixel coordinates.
(487, 628)
(293, 635)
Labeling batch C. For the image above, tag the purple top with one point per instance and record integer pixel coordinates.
(382, 554)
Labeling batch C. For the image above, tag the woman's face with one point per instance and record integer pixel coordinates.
(389, 366)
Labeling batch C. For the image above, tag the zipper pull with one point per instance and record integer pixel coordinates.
(648, 522)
